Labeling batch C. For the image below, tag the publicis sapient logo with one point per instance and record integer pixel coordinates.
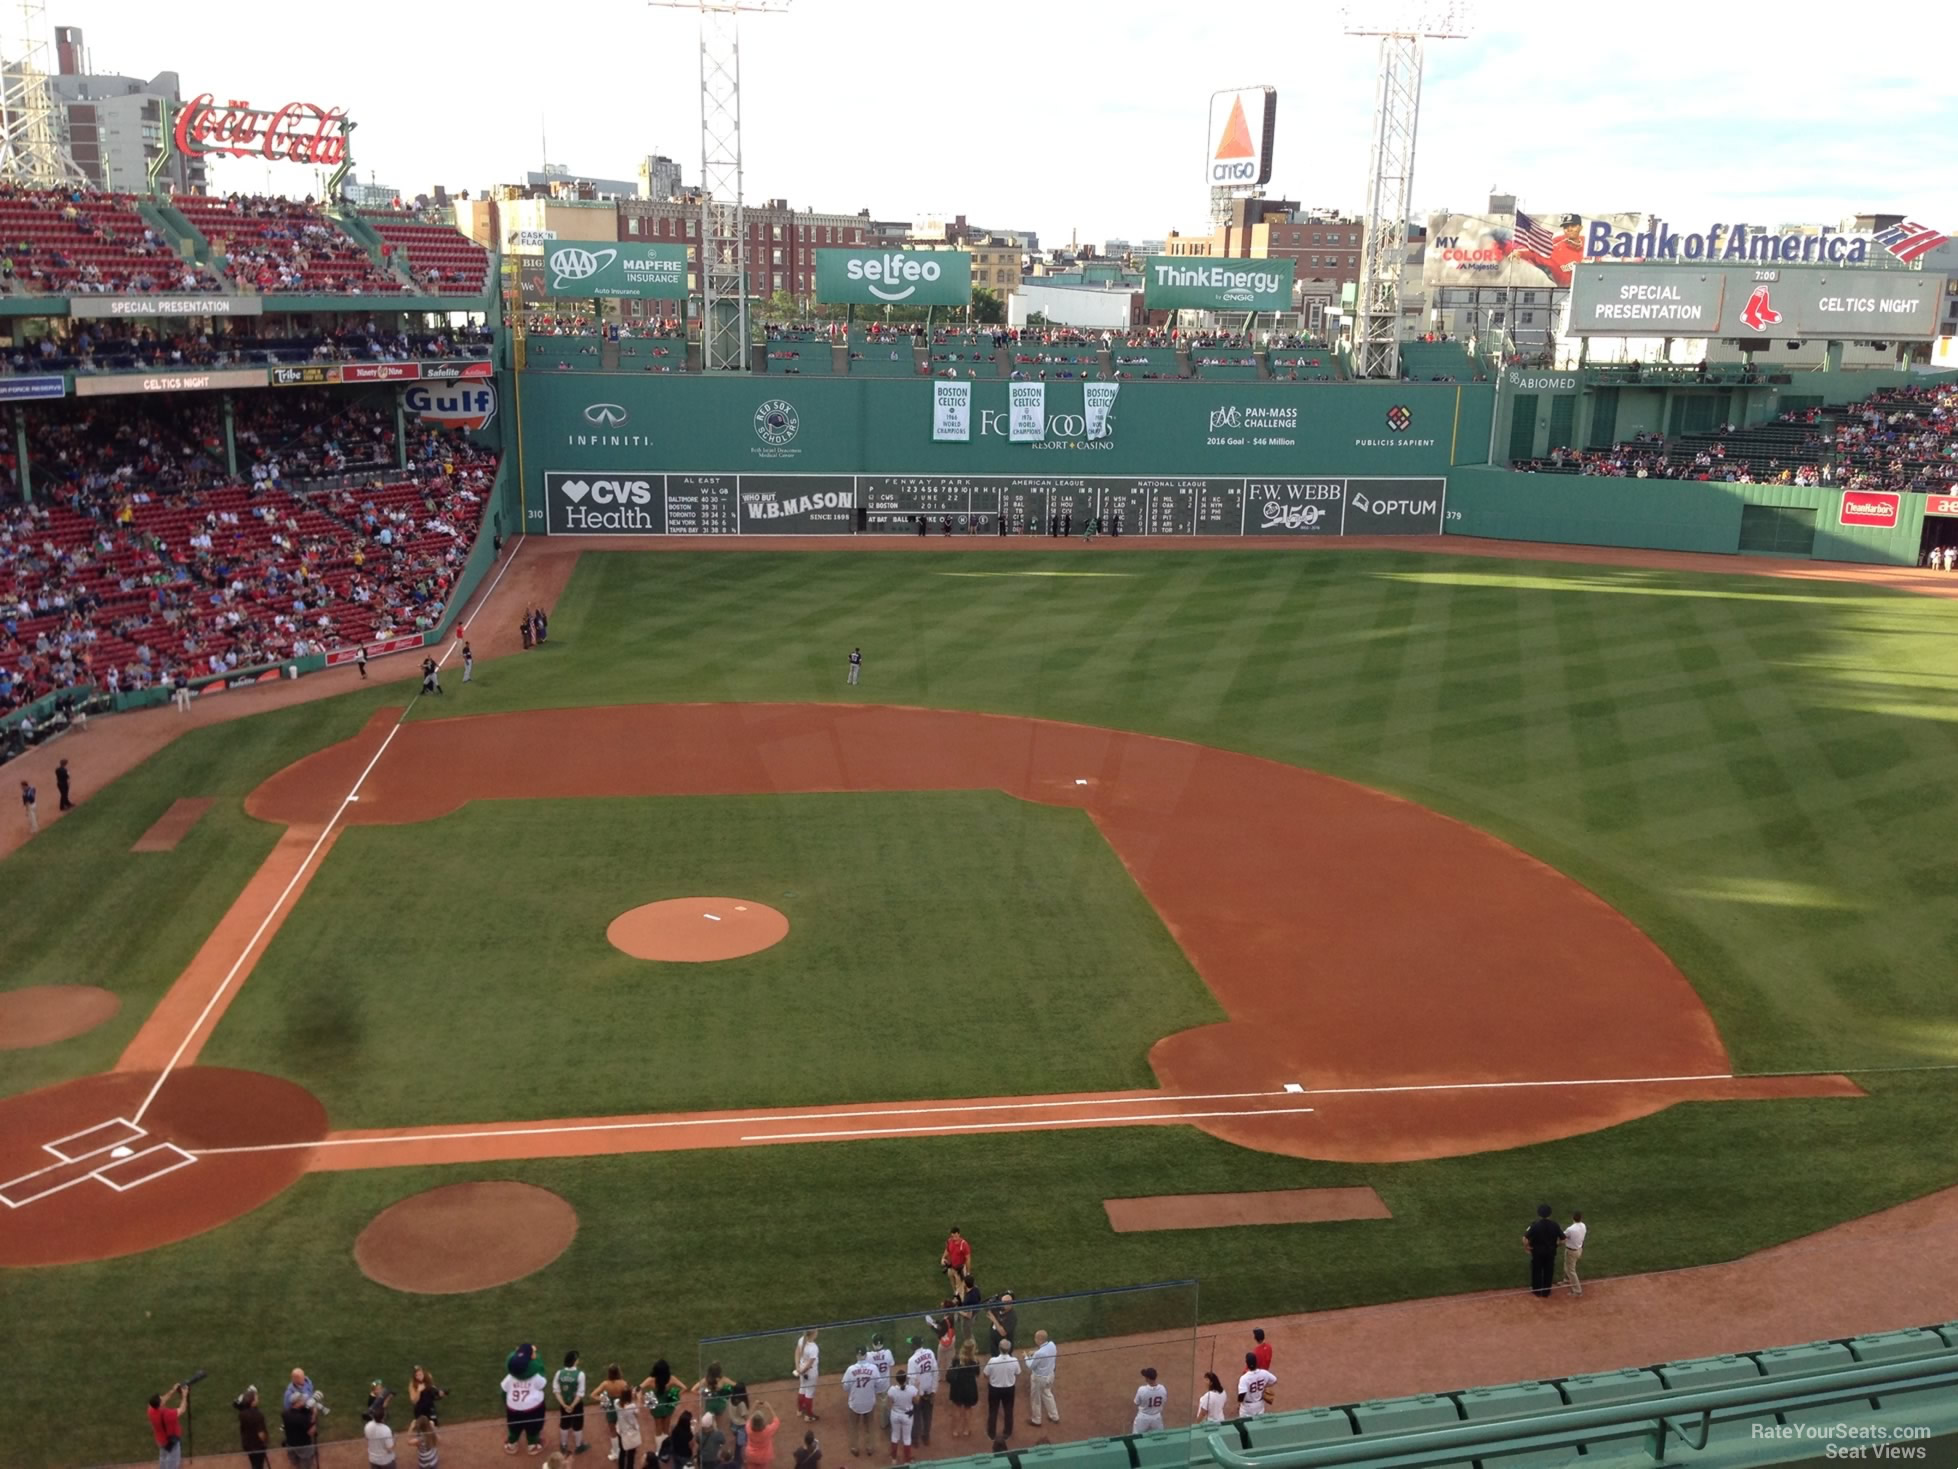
(776, 422)
(573, 263)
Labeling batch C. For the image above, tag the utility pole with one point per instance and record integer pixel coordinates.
(723, 221)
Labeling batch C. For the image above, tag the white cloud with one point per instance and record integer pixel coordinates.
(1061, 116)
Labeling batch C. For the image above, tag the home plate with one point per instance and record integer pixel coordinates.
(122, 1152)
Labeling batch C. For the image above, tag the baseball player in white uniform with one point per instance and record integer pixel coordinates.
(808, 1360)
(922, 1369)
(1149, 1400)
(901, 1399)
(860, 1389)
(882, 1361)
(1253, 1388)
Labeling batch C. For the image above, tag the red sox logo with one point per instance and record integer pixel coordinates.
(1759, 312)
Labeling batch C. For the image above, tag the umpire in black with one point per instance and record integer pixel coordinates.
(1541, 1240)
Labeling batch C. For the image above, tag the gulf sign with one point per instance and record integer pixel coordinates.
(468, 405)
(1237, 154)
(1871, 507)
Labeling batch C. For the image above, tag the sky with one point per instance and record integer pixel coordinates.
(1087, 119)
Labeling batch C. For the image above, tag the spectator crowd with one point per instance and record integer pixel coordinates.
(142, 562)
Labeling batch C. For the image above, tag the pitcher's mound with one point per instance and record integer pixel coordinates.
(42, 1014)
(464, 1237)
(695, 930)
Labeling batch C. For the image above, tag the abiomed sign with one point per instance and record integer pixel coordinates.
(1208, 284)
(588, 268)
(894, 277)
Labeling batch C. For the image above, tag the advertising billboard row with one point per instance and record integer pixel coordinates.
(1749, 303)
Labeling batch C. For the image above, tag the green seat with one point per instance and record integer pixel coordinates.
(1601, 1390)
(1890, 1346)
(1705, 1372)
(1273, 1431)
(1406, 1415)
(1522, 1399)
(1815, 1357)
(1172, 1448)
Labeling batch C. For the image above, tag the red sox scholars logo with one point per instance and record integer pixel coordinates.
(1400, 418)
(1759, 313)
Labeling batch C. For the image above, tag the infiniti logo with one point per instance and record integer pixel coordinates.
(610, 414)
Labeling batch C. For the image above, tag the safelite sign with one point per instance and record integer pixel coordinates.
(1871, 507)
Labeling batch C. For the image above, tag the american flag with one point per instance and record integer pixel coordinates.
(1533, 236)
(1906, 241)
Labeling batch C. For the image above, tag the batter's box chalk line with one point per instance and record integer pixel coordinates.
(104, 1154)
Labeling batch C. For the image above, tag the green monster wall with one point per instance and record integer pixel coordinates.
(1671, 515)
(585, 423)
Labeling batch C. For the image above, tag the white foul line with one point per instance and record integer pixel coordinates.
(306, 862)
(1030, 1105)
(797, 1137)
(654, 1124)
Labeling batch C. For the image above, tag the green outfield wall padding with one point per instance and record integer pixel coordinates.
(1666, 514)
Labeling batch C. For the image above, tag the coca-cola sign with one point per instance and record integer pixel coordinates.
(299, 132)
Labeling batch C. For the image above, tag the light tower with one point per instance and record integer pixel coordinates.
(723, 222)
(1390, 180)
(33, 142)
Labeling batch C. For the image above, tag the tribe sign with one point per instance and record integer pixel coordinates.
(298, 132)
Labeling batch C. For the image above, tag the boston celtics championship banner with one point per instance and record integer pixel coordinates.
(894, 277)
(1210, 284)
(1098, 405)
(587, 268)
(951, 413)
(1026, 406)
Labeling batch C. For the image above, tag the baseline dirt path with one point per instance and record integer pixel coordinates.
(1399, 1057)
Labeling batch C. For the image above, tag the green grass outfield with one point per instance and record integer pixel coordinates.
(941, 944)
(1756, 771)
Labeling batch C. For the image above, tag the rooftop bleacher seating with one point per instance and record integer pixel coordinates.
(440, 259)
(80, 242)
(283, 246)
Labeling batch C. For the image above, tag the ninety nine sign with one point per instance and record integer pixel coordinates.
(1870, 507)
(1210, 284)
(894, 277)
(298, 132)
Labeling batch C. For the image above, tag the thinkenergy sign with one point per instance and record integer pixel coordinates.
(1207, 283)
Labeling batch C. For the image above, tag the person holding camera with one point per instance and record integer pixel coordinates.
(166, 1423)
(252, 1437)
